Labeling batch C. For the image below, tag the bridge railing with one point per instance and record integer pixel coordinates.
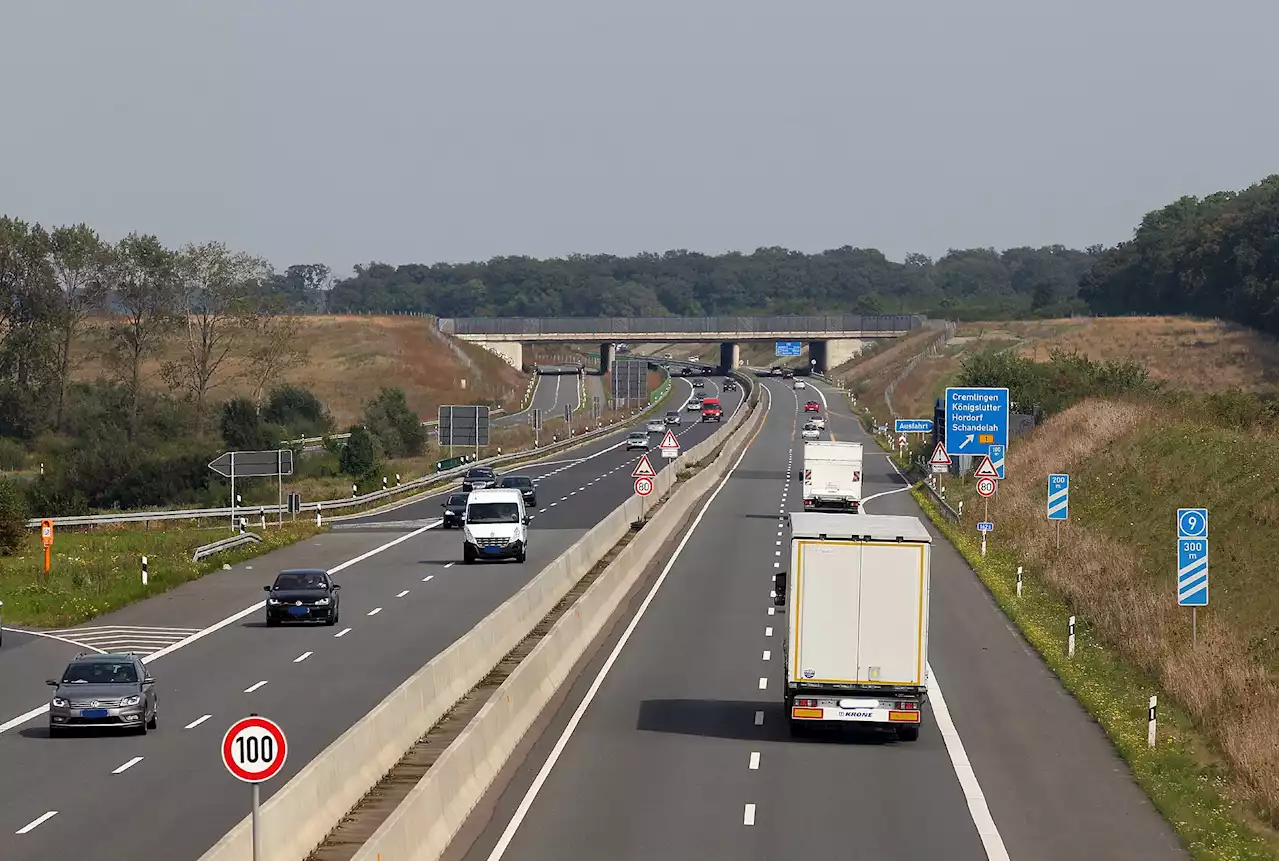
(623, 326)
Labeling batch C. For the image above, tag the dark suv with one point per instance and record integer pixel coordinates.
(478, 478)
(524, 484)
(107, 690)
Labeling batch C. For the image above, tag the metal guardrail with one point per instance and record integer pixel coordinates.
(679, 325)
(328, 504)
(206, 550)
(315, 440)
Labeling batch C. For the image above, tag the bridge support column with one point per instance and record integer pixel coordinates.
(818, 357)
(511, 352)
(728, 357)
(606, 358)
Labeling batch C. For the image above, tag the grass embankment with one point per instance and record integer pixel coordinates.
(94, 573)
(1133, 463)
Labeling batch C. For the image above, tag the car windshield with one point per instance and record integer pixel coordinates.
(516, 481)
(671, 413)
(493, 512)
(457, 499)
(100, 673)
(301, 580)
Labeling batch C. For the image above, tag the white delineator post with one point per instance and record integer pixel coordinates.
(1071, 637)
(1019, 581)
(1151, 722)
(317, 514)
(144, 570)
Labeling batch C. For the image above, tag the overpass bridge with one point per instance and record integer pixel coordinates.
(831, 338)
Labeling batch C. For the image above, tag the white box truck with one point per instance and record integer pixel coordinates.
(857, 622)
(832, 475)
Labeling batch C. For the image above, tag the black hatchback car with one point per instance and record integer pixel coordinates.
(478, 478)
(302, 595)
(524, 484)
(455, 506)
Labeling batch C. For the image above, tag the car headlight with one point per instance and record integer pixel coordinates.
(131, 701)
(59, 703)
(322, 602)
(273, 601)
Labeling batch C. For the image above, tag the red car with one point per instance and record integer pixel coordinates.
(811, 407)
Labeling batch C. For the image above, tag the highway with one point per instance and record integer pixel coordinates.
(405, 598)
(672, 742)
(550, 395)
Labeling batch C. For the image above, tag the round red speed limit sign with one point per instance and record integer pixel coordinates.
(254, 749)
(986, 487)
(644, 486)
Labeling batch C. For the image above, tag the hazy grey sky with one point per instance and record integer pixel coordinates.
(344, 131)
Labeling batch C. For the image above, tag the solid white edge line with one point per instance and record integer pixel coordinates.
(37, 822)
(978, 810)
(128, 765)
(526, 803)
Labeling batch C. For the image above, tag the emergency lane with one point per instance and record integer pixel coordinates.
(684, 753)
(681, 749)
(400, 606)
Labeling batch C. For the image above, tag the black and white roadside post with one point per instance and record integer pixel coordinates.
(1019, 581)
(354, 491)
(384, 482)
(144, 570)
(1151, 722)
(254, 750)
(1071, 637)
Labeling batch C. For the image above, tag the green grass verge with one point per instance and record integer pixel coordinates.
(1189, 794)
(94, 573)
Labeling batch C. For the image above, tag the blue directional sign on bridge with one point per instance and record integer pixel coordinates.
(1059, 495)
(977, 419)
(786, 348)
(1193, 557)
(913, 425)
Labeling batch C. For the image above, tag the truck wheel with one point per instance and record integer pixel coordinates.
(467, 556)
(908, 733)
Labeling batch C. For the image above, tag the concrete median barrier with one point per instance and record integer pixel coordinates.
(300, 815)
(422, 826)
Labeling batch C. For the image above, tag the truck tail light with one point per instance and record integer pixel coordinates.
(906, 707)
(807, 704)
(808, 503)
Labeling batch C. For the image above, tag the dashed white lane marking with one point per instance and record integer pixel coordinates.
(768, 631)
(749, 815)
(554, 504)
(766, 655)
(128, 765)
(342, 633)
(563, 498)
(253, 687)
(584, 487)
(195, 723)
(375, 611)
(771, 609)
(37, 822)
(450, 564)
(773, 594)
(754, 763)
(777, 553)
(402, 594)
(428, 578)
(759, 718)
(777, 565)
(777, 544)
(764, 683)
(540, 510)
(302, 657)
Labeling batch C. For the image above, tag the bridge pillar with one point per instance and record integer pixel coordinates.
(606, 358)
(818, 356)
(511, 352)
(728, 357)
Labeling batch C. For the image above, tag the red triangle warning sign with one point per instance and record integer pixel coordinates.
(669, 441)
(940, 456)
(644, 469)
(986, 469)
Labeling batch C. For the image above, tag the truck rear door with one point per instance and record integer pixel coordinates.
(892, 613)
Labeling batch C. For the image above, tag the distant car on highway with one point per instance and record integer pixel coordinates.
(478, 478)
(695, 404)
(638, 439)
(655, 426)
(496, 526)
(302, 595)
(673, 417)
(711, 411)
(810, 431)
(818, 421)
(522, 483)
(729, 385)
(686, 371)
(454, 505)
(698, 384)
(798, 384)
(103, 690)
(811, 407)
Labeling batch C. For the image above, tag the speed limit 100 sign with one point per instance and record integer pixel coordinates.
(254, 749)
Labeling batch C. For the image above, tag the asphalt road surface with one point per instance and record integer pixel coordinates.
(673, 744)
(405, 598)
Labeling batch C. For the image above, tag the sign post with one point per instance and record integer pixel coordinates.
(1193, 561)
(46, 538)
(254, 750)
(644, 472)
(1057, 507)
(276, 463)
(984, 527)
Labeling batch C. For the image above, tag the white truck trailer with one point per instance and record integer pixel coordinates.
(858, 622)
(832, 475)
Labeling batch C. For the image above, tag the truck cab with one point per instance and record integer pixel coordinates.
(711, 411)
(856, 650)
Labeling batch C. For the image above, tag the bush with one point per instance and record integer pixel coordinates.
(13, 517)
(1043, 389)
(243, 428)
(394, 425)
(359, 457)
(13, 456)
(298, 410)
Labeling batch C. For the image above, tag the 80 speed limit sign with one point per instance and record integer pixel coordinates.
(254, 749)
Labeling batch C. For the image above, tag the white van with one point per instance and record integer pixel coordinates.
(495, 525)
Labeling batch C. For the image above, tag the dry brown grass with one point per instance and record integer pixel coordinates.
(1103, 573)
(1192, 355)
(351, 357)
